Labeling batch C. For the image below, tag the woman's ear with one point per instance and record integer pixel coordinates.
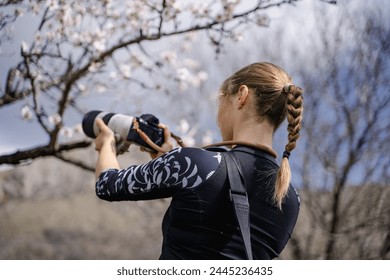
(242, 96)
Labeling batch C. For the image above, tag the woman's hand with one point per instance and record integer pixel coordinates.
(167, 145)
(105, 137)
(105, 145)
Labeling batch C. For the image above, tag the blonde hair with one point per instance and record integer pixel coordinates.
(276, 99)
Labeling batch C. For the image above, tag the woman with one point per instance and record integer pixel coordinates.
(200, 221)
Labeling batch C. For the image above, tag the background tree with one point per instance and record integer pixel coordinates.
(345, 168)
(340, 166)
(81, 48)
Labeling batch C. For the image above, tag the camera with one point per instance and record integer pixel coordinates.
(127, 127)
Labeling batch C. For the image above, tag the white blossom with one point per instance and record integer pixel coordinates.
(203, 76)
(35, 7)
(64, 15)
(25, 47)
(38, 37)
(232, 2)
(184, 126)
(169, 57)
(199, 9)
(52, 4)
(86, 37)
(100, 88)
(82, 88)
(188, 140)
(207, 139)
(100, 45)
(114, 14)
(262, 20)
(126, 71)
(183, 74)
(78, 129)
(26, 113)
(80, 9)
(76, 38)
(94, 67)
(190, 63)
(54, 35)
(113, 75)
(67, 132)
(187, 133)
(110, 26)
(19, 12)
(195, 81)
(54, 119)
(238, 37)
(78, 19)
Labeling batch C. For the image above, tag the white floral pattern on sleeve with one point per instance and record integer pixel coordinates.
(174, 169)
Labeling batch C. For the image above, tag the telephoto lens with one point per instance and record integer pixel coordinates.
(127, 127)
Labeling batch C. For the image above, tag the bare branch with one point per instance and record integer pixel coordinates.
(42, 151)
(334, 2)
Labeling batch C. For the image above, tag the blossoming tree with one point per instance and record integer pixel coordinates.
(82, 48)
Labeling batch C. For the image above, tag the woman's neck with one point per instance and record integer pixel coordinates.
(254, 132)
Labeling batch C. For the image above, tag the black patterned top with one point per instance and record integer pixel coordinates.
(200, 222)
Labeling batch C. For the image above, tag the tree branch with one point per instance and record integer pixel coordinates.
(41, 151)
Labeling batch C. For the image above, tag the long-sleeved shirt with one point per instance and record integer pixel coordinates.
(200, 221)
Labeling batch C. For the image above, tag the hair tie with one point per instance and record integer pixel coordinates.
(286, 154)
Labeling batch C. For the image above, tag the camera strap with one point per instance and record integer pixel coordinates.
(239, 197)
(147, 139)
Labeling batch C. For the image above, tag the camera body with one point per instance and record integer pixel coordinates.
(123, 126)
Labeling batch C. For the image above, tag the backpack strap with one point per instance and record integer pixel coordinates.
(239, 198)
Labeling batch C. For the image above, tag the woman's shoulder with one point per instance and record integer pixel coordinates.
(198, 156)
(187, 167)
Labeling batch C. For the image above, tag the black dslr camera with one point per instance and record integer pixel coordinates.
(123, 126)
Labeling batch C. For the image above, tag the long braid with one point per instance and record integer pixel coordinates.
(294, 118)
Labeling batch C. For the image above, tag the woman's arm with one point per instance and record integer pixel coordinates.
(105, 145)
(179, 169)
(175, 170)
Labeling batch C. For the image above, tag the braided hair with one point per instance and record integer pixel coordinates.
(276, 98)
(294, 118)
